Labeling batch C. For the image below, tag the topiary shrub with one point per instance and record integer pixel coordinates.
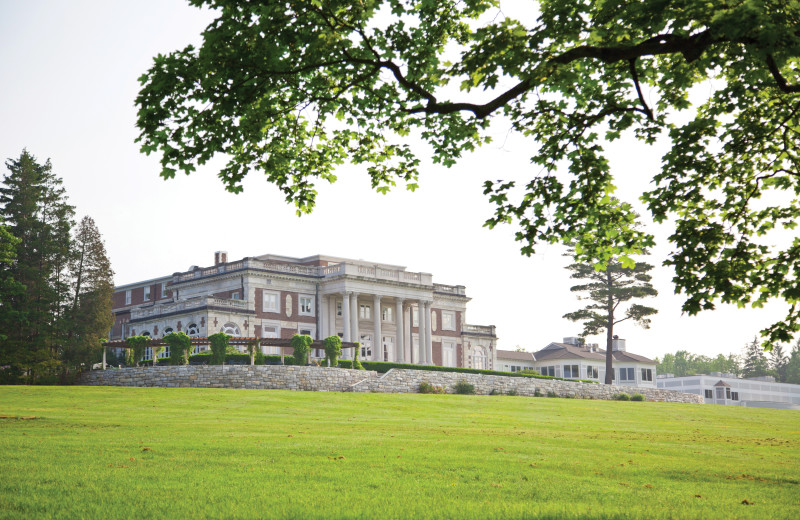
(301, 344)
(356, 363)
(638, 397)
(180, 345)
(219, 346)
(136, 352)
(333, 349)
(464, 388)
(622, 397)
(260, 357)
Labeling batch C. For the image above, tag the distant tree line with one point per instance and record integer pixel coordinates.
(753, 362)
(56, 280)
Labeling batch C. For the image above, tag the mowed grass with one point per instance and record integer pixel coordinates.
(101, 452)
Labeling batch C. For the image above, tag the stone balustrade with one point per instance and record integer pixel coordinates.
(323, 379)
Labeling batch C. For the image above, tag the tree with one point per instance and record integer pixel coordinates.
(755, 363)
(92, 280)
(607, 290)
(36, 212)
(9, 288)
(295, 89)
(777, 362)
(793, 365)
(684, 363)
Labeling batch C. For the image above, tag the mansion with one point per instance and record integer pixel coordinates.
(396, 315)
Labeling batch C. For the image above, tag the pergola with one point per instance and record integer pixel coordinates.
(233, 340)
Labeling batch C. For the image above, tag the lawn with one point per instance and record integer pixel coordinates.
(103, 452)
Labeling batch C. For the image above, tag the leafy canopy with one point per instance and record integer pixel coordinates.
(294, 89)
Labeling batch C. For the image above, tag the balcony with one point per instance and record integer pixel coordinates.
(186, 305)
(481, 330)
(376, 272)
(458, 290)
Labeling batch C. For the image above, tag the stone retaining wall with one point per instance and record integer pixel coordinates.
(323, 379)
(403, 380)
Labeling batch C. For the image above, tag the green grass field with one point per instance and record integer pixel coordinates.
(100, 452)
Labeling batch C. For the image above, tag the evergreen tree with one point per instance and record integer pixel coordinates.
(9, 288)
(778, 361)
(35, 209)
(92, 286)
(755, 362)
(793, 364)
(608, 290)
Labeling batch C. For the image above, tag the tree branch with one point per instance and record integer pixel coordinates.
(779, 79)
(648, 111)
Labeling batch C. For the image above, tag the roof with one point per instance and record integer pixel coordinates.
(722, 383)
(566, 351)
(512, 354)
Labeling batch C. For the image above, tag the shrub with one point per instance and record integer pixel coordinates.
(512, 392)
(259, 357)
(495, 392)
(136, 352)
(179, 347)
(622, 397)
(427, 388)
(356, 363)
(537, 393)
(529, 372)
(551, 394)
(464, 388)
(219, 347)
(638, 397)
(333, 349)
(301, 344)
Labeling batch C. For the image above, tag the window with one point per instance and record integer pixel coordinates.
(547, 371)
(515, 368)
(338, 308)
(365, 311)
(734, 396)
(415, 316)
(647, 374)
(366, 346)
(709, 394)
(270, 302)
(571, 371)
(306, 305)
(127, 297)
(235, 295)
(146, 293)
(592, 373)
(448, 354)
(163, 289)
(480, 361)
(388, 347)
(305, 332)
(626, 374)
(727, 393)
(168, 331)
(231, 328)
(387, 314)
(192, 329)
(448, 320)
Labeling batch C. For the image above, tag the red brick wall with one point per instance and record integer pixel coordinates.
(437, 353)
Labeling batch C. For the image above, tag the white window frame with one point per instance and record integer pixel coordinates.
(339, 308)
(146, 292)
(163, 289)
(573, 370)
(415, 316)
(448, 316)
(387, 348)
(270, 308)
(305, 300)
(387, 314)
(647, 374)
(479, 354)
(627, 370)
(592, 372)
(364, 311)
(451, 347)
(128, 297)
(366, 346)
(235, 295)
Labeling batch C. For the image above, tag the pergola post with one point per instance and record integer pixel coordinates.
(282, 347)
(104, 357)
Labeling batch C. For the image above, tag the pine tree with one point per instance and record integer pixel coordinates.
(793, 365)
(92, 286)
(10, 289)
(608, 290)
(755, 362)
(36, 212)
(778, 361)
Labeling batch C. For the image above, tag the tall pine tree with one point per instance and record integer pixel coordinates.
(754, 362)
(36, 212)
(92, 286)
(778, 361)
(608, 290)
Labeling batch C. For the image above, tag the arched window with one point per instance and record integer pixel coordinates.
(145, 333)
(479, 359)
(168, 331)
(231, 328)
(192, 329)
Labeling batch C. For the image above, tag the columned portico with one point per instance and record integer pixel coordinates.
(331, 320)
(346, 316)
(377, 341)
(400, 347)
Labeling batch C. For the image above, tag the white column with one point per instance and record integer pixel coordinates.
(428, 334)
(421, 330)
(354, 317)
(408, 319)
(322, 316)
(346, 316)
(400, 347)
(331, 315)
(377, 341)
(104, 357)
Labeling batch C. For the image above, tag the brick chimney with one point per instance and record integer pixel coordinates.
(220, 257)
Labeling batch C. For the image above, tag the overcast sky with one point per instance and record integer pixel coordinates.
(67, 93)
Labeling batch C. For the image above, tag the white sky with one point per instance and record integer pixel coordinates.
(67, 93)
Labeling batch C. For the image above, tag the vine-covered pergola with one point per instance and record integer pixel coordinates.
(235, 341)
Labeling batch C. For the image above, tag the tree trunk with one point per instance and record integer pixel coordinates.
(609, 329)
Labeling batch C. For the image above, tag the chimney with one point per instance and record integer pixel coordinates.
(220, 257)
(572, 341)
(618, 344)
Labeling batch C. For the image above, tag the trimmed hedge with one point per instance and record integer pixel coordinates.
(382, 367)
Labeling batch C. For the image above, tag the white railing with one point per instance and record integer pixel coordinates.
(189, 303)
(478, 329)
(450, 289)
